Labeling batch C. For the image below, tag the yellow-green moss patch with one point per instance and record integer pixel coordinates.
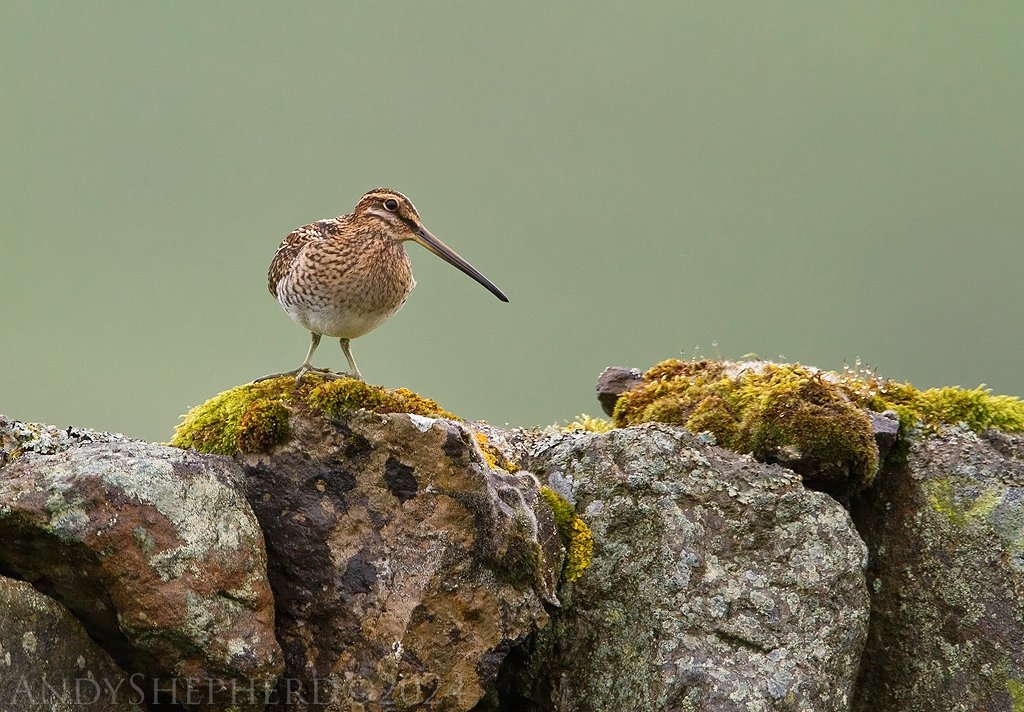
(590, 425)
(581, 549)
(943, 498)
(574, 532)
(977, 408)
(789, 413)
(343, 396)
(494, 457)
(254, 417)
(263, 425)
(778, 413)
(216, 426)
(1016, 689)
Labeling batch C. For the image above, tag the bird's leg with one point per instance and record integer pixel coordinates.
(308, 363)
(351, 361)
(306, 366)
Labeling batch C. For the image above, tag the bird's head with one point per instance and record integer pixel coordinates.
(402, 222)
(394, 210)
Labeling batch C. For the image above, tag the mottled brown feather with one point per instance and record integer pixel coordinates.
(288, 252)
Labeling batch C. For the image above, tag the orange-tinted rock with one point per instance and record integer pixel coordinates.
(155, 551)
(404, 566)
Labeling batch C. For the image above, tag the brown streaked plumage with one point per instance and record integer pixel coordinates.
(345, 276)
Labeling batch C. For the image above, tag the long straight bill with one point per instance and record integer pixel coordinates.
(425, 238)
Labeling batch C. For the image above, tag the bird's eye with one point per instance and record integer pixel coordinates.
(391, 204)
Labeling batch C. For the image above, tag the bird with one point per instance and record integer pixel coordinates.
(345, 276)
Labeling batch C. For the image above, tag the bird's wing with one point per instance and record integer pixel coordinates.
(288, 252)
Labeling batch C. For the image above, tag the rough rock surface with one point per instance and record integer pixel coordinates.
(18, 437)
(718, 583)
(404, 566)
(946, 536)
(47, 661)
(153, 549)
(886, 427)
(613, 382)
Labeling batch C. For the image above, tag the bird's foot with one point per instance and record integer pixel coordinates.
(272, 376)
(325, 373)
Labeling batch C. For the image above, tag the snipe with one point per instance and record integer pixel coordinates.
(345, 276)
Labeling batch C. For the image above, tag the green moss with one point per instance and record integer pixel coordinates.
(263, 425)
(791, 414)
(341, 397)
(778, 413)
(717, 415)
(791, 409)
(255, 417)
(660, 398)
(590, 425)
(942, 496)
(575, 534)
(976, 408)
(581, 549)
(1016, 689)
(216, 425)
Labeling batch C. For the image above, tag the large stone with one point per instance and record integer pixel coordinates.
(404, 566)
(613, 382)
(49, 664)
(718, 583)
(946, 536)
(156, 552)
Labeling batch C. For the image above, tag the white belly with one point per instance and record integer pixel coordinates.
(336, 322)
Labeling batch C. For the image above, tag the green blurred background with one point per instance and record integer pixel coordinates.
(819, 182)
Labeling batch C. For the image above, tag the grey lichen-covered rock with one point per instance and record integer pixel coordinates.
(155, 550)
(18, 437)
(404, 565)
(946, 536)
(718, 583)
(49, 664)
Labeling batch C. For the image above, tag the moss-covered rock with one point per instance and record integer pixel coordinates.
(814, 421)
(787, 414)
(255, 417)
(976, 408)
(342, 397)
